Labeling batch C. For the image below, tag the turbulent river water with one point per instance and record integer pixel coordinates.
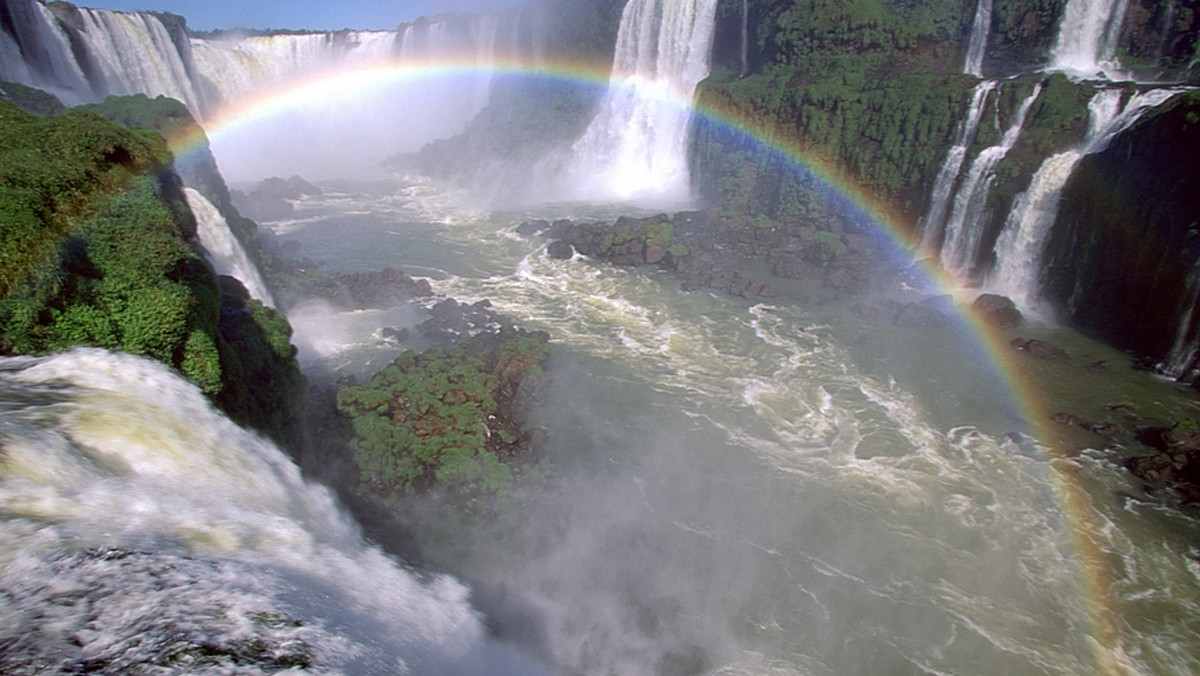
(742, 488)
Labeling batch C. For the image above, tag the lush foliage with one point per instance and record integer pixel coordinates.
(444, 419)
(193, 162)
(55, 172)
(866, 93)
(30, 100)
(97, 249)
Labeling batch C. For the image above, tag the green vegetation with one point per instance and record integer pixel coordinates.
(194, 162)
(97, 249)
(445, 419)
(30, 100)
(868, 91)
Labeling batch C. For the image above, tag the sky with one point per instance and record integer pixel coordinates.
(299, 14)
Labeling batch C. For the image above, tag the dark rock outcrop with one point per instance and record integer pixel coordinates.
(271, 199)
(919, 315)
(1039, 349)
(998, 311)
(1122, 255)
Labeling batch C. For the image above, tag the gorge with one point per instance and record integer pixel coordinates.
(770, 432)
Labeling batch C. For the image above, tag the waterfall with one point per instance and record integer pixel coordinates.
(1087, 38)
(160, 532)
(636, 146)
(934, 221)
(1183, 361)
(238, 68)
(745, 39)
(225, 252)
(1021, 245)
(39, 53)
(963, 230)
(977, 46)
(100, 52)
(134, 53)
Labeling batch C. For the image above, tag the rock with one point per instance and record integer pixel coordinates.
(1065, 419)
(531, 228)
(1182, 437)
(655, 253)
(919, 315)
(261, 207)
(1105, 428)
(866, 312)
(1039, 349)
(998, 311)
(560, 250)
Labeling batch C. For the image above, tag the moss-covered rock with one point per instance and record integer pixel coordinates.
(447, 420)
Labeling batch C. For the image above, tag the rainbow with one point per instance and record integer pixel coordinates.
(350, 83)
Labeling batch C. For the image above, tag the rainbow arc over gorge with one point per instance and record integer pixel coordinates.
(350, 81)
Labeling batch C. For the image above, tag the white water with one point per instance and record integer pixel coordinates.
(1181, 361)
(218, 539)
(240, 67)
(135, 54)
(636, 147)
(1021, 244)
(225, 252)
(745, 38)
(1087, 38)
(776, 488)
(981, 26)
(933, 224)
(963, 231)
(46, 60)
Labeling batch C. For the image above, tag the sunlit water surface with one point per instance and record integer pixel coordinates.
(742, 488)
(768, 488)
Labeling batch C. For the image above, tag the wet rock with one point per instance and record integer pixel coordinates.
(1105, 428)
(998, 311)
(1065, 419)
(531, 228)
(1182, 437)
(919, 315)
(1039, 349)
(560, 250)
(865, 312)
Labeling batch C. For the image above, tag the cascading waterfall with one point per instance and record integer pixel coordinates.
(977, 46)
(39, 54)
(128, 53)
(162, 533)
(1183, 361)
(963, 231)
(225, 252)
(134, 53)
(1087, 38)
(934, 221)
(1021, 245)
(637, 145)
(745, 38)
(238, 68)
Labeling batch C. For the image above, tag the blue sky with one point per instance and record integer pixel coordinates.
(300, 14)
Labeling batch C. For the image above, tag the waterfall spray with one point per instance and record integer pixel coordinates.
(1022, 242)
(636, 147)
(1087, 38)
(225, 252)
(979, 35)
(962, 228)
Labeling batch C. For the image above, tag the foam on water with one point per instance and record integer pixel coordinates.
(753, 455)
(123, 491)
